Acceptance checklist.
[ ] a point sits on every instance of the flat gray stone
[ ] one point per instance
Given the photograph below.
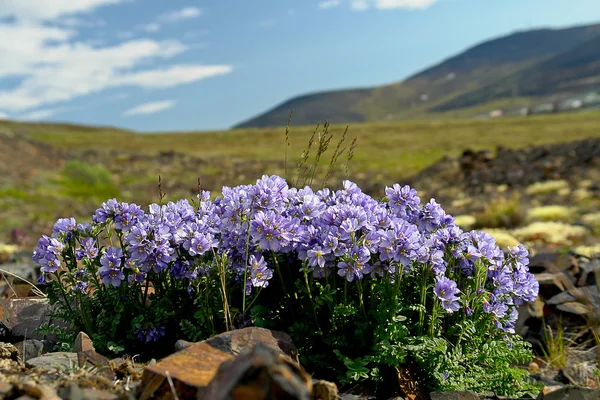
(30, 348)
(60, 361)
(458, 395)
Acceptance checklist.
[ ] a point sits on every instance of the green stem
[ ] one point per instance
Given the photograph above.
(423, 298)
(360, 299)
(312, 304)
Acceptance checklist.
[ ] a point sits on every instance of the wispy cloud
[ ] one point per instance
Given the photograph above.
(391, 4)
(324, 5)
(50, 69)
(38, 115)
(178, 15)
(153, 27)
(46, 10)
(150, 108)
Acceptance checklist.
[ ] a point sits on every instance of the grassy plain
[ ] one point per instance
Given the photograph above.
(93, 163)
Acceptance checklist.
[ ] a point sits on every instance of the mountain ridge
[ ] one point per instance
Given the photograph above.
(455, 84)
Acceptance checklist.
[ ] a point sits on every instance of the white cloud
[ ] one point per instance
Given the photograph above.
(39, 114)
(150, 108)
(49, 64)
(172, 76)
(49, 9)
(3, 115)
(73, 22)
(60, 72)
(324, 5)
(360, 5)
(178, 15)
(151, 27)
(391, 4)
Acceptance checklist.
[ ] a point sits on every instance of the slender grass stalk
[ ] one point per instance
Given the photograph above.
(336, 154)
(350, 154)
(287, 143)
(305, 154)
(312, 304)
(34, 288)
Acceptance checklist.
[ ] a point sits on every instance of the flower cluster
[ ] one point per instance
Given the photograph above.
(344, 234)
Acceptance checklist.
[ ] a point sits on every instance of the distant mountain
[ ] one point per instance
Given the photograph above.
(511, 70)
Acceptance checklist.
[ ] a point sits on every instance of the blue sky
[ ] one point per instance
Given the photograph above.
(156, 65)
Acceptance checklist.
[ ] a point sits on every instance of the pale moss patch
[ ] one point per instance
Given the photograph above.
(465, 222)
(503, 238)
(587, 251)
(593, 221)
(551, 213)
(582, 194)
(7, 250)
(550, 232)
(547, 187)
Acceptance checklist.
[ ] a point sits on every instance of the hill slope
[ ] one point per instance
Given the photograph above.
(494, 70)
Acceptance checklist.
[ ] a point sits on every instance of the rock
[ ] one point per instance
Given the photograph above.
(262, 373)
(24, 316)
(9, 352)
(324, 390)
(74, 392)
(561, 298)
(5, 389)
(182, 344)
(574, 307)
(83, 343)
(101, 364)
(533, 367)
(549, 262)
(190, 370)
(51, 362)
(30, 348)
(241, 341)
(552, 284)
(564, 377)
(570, 393)
(458, 395)
(32, 390)
(549, 389)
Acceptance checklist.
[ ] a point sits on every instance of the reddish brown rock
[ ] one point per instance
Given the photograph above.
(242, 341)
(101, 364)
(260, 374)
(190, 371)
(83, 343)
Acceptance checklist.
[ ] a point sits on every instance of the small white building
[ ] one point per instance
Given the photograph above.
(496, 113)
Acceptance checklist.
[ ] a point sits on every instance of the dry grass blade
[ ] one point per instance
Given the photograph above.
(305, 154)
(34, 288)
(350, 154)
(171, 385)
(287, 143)
(338, 152)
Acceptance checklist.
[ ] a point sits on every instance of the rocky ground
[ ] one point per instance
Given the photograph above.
(547, 197)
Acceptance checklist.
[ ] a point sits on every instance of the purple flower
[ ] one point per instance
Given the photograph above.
(111, 258)
(445, 289)
(88, 248)
(259, 272)
(64, 225)
(81, 287)
(150, 334)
